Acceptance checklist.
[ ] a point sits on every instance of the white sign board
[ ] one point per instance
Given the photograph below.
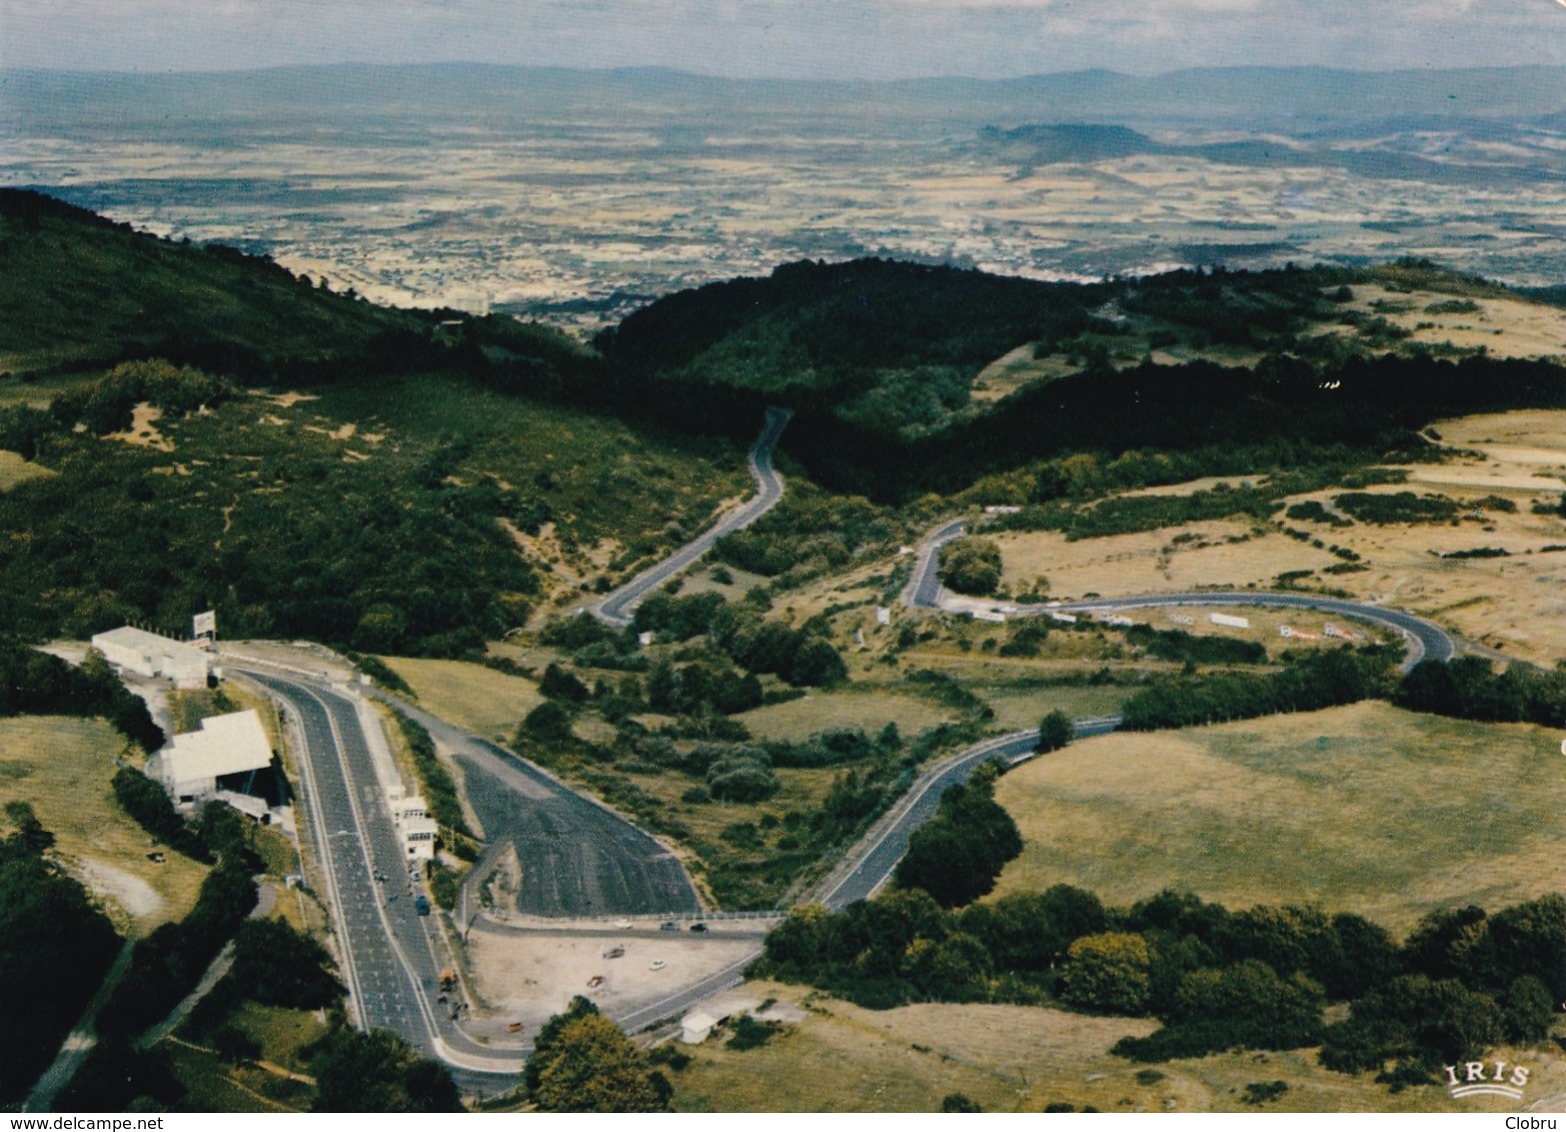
(204, 624)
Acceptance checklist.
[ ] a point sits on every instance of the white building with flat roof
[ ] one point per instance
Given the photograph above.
(415, 827)
(226, 751)
(148, 654)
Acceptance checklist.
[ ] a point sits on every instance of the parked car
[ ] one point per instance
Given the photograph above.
(421, 904)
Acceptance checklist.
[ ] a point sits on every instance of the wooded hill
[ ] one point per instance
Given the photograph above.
(490, 425)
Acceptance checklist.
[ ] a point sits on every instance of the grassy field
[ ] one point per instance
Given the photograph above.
(1507, 600)
(1363, 808)
(868, 708)
(1150, 561)
(477, 699)
(1017, 708)
(63, 767)
(837, 1057)
(15, 470)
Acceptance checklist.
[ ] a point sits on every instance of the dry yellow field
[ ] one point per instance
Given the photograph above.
(1150, 561)
(15, 470)
(1512, 602)
(1010, 372)
(478, 699)
(837, 1057)
(1505, 327)
(1363, 808)
(62, 766)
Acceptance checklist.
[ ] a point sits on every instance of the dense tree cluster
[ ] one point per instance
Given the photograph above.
(36, 683)
(1127, 514)
(957, 855)
(1309, 682)
(1470, 688)
(1258, 978)
(808, 533)
(107, 405)
(1182, 647)
(971, 566)
(55, 947)
(1397, 507)
(583, 1062)
(149, 806)
(1055, 731)
(378, 1072)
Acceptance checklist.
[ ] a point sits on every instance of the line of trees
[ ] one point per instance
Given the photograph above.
(958, 854)
(1259, 978)
(38, 683)
(1308, 681)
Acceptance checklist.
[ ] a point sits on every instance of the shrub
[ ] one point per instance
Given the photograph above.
(1108, 973)
(971, 565)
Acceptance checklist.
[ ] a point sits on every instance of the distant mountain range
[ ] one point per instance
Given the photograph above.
(1082, 143)
(1296, 101)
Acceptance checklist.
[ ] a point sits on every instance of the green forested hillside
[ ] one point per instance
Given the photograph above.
(73, 286)
(395, 499)
(880, 362)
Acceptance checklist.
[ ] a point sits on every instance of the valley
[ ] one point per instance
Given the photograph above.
(1037, 379)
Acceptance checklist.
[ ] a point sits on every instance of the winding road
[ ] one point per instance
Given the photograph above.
(618, 608)
(1425, 639)
(591, 860)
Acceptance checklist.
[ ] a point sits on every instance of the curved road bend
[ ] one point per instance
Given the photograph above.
(1426, 639)
(869, 865)
(618, 607)
(578, 858)
(388, 959)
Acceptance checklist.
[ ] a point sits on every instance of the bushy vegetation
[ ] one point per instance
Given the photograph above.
(55, 947)
(1398, 507)
(149, 806)
(437, 787)
(1055, 731)
(1470, 688)
(1127, 514)
(1182, 647)
(971, 566)
(583, 1062)
(957, 855)
(1217, 979)
(807, 534)
(378, 1072)
(1308, 682)
(167, 964)
(36, 683)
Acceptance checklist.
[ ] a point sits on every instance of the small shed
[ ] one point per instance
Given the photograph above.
(696, 1027)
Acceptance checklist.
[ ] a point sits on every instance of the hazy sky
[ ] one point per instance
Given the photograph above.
(803, 38)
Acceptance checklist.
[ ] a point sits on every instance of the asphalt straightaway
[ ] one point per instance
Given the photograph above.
(388, 958)
(618, 608)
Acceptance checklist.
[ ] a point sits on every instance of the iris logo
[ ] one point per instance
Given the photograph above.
(1474, 1079)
